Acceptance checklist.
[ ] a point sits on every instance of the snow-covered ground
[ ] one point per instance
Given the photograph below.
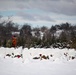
(60, 63)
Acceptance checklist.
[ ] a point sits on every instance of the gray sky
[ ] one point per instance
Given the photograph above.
(39, 12)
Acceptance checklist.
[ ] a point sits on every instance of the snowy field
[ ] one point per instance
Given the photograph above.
(60, 62)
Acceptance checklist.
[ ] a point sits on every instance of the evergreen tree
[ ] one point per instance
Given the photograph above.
(4, 43)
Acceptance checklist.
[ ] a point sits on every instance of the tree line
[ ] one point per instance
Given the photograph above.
(42, 37)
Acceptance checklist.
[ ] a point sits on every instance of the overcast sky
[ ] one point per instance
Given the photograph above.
(39, 12)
